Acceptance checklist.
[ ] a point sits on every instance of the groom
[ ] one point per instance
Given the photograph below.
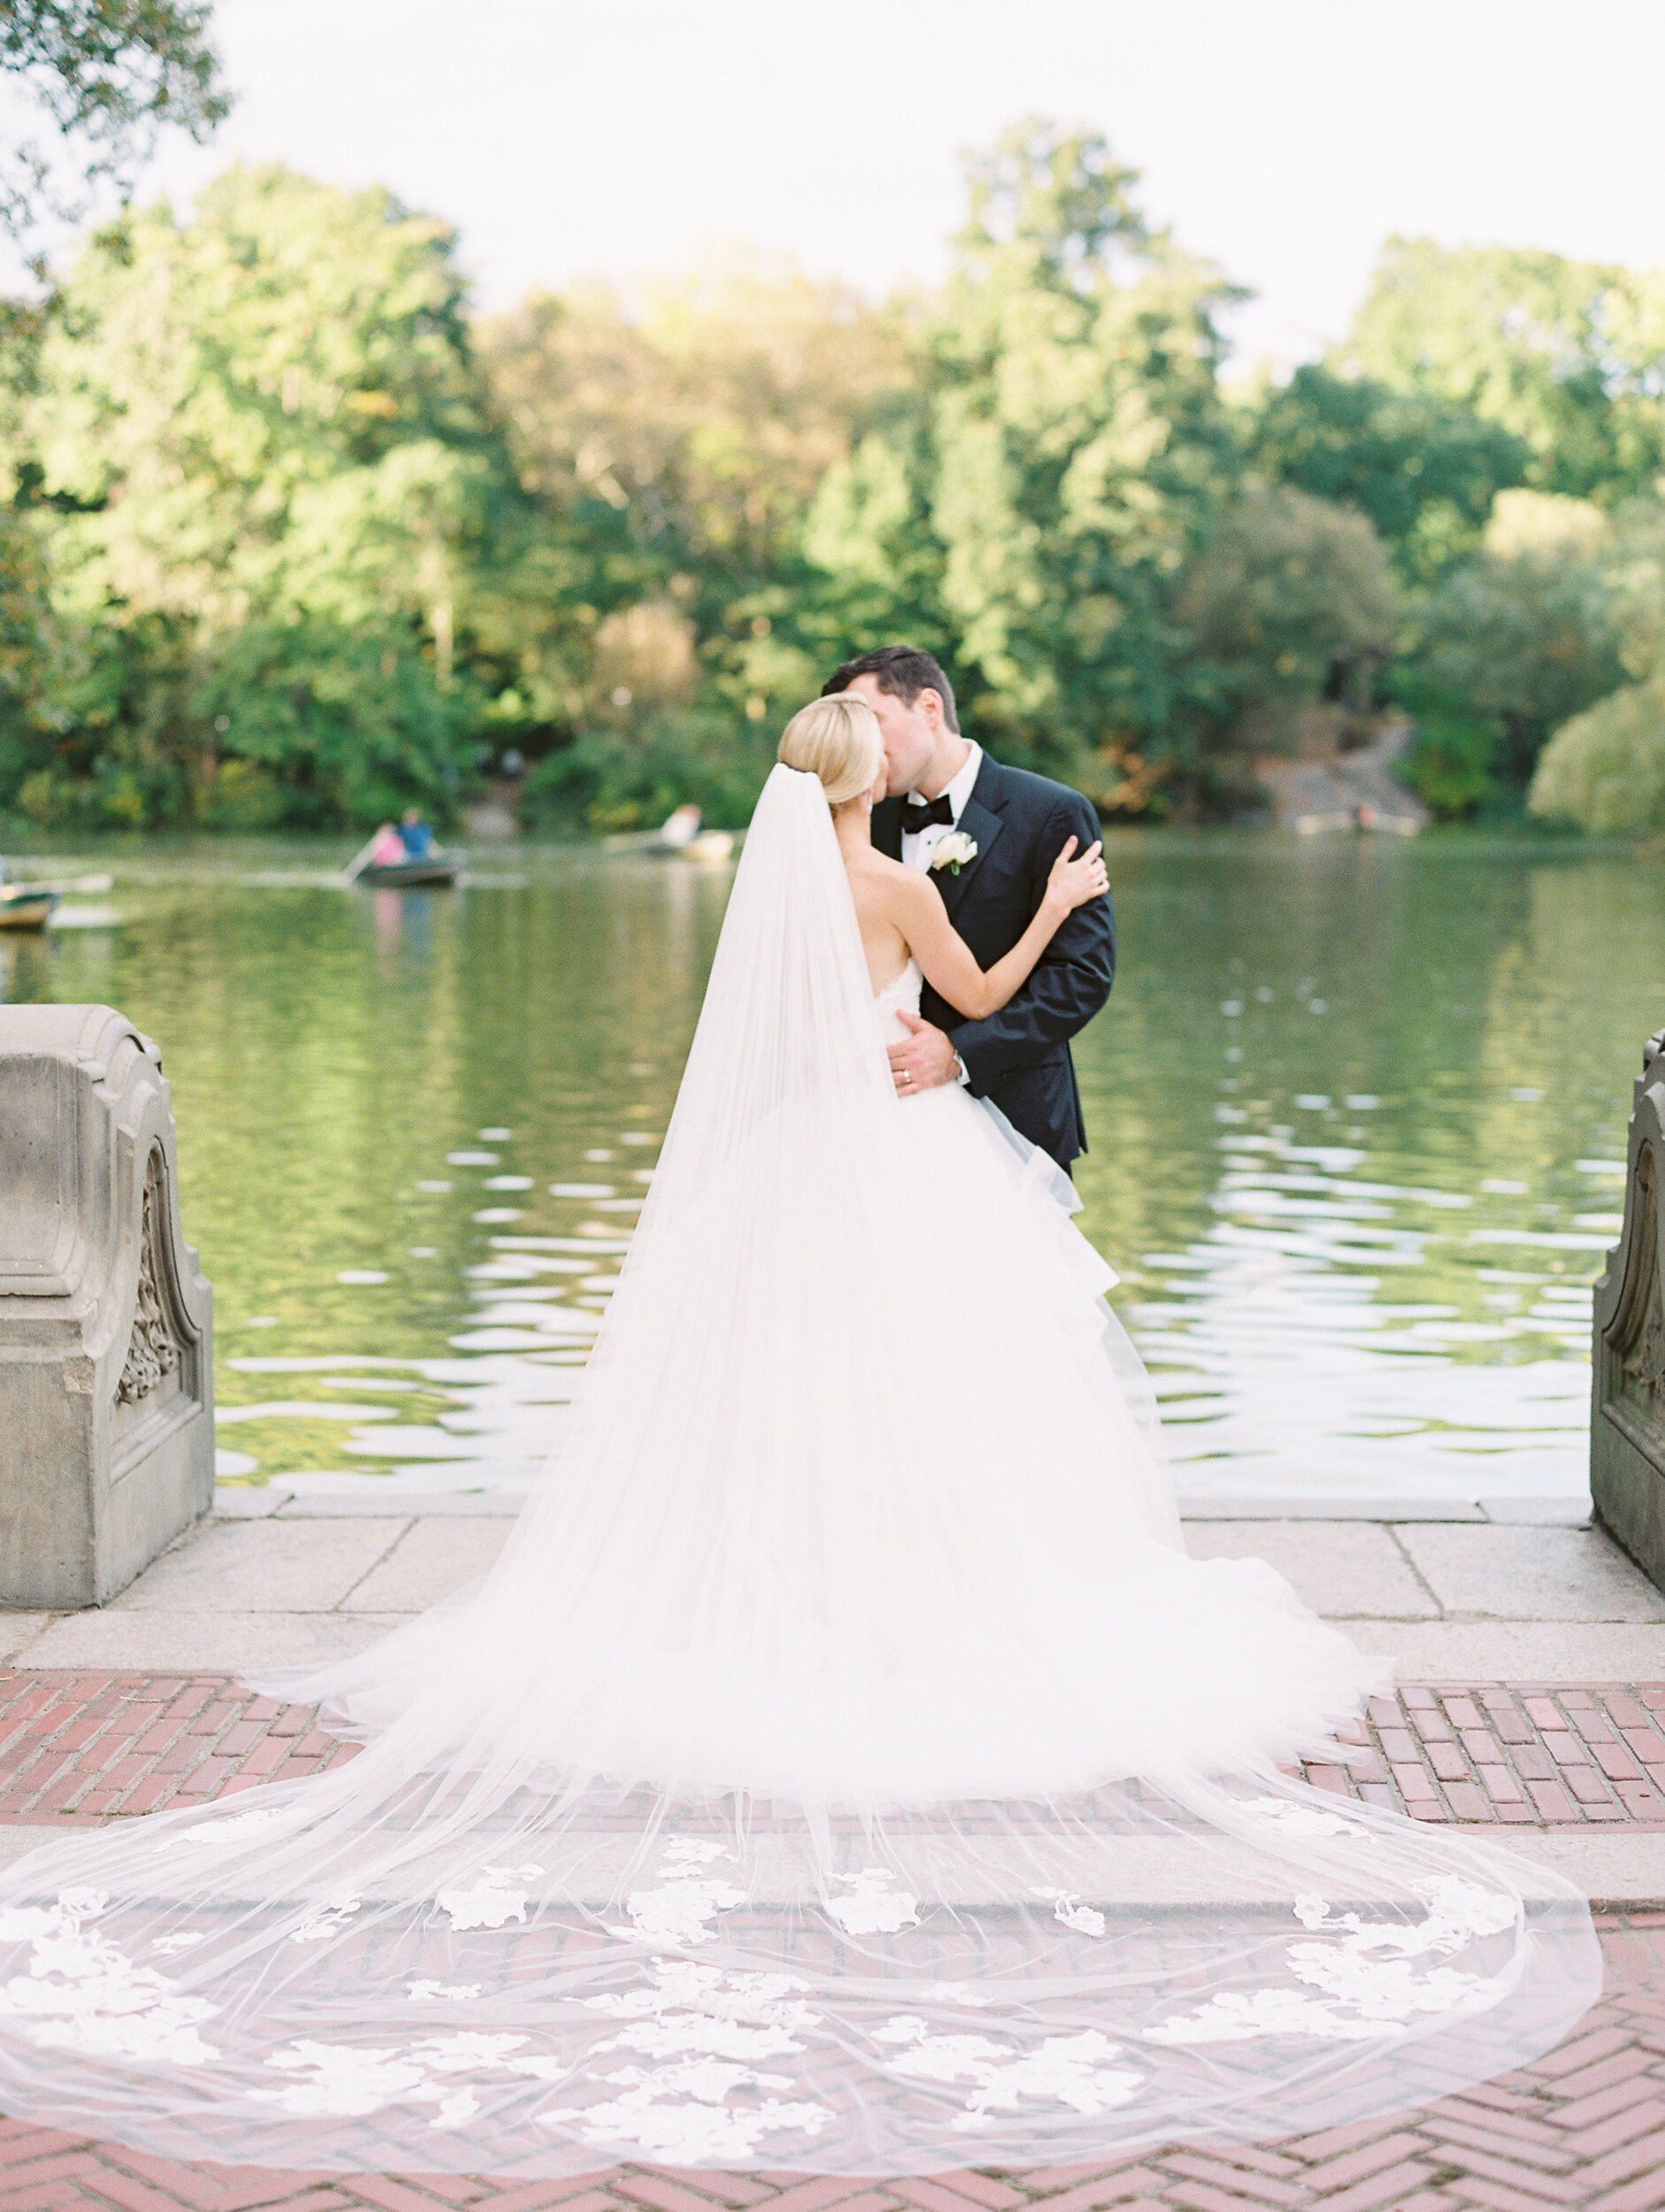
(944, 795)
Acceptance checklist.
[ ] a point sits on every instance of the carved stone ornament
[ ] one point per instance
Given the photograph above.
(1643, 1361)
(152, 1352)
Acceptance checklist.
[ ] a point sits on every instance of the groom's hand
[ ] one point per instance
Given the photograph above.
(926, 1059)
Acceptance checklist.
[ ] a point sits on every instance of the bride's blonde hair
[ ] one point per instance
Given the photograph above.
(838, 740)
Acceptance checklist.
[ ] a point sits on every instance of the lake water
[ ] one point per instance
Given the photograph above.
(1357, 1111)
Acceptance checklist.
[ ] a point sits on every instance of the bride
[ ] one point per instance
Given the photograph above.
(844, 1768)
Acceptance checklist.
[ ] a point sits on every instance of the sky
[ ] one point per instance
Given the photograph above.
(1283, 139)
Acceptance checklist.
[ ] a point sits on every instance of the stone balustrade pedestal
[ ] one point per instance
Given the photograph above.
(106, 1378)
(1627, 1410)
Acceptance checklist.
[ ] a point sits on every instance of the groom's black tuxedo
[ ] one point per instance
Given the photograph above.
(1020, 1057)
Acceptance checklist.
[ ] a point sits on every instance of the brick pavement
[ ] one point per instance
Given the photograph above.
(1539, 1754)
(1581, 2131)
(80, 1747)
(75, 1747)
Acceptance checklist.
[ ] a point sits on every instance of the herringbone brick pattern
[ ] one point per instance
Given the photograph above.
(81, 1747)
(77, 1746)
(1529, 1756)
(1583, 2131)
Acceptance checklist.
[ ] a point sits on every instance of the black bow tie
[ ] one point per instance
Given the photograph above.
(917, 813)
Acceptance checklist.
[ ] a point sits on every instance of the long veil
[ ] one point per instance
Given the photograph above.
(843, 1768)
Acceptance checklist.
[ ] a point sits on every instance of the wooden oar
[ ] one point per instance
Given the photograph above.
(359, 861)
(86, 886)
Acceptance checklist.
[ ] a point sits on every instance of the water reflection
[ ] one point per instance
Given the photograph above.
(1416, 1062)
(1357, 1113)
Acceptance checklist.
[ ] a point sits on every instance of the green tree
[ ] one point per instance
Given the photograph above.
(1034, 508)
(1423, 468)
(1633, 568)
(683, 437)
(876, 560)
(1567, 357)
(259, 450)
(1510, 645)
(1081, 446)
(1605, 770)
(106, 75)
(31, 652)
(1292, 596)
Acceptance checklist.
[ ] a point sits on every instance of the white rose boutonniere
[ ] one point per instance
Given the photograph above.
(953, 852)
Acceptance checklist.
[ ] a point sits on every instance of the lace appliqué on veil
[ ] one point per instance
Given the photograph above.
(686, 1900)
(1365, 1995)
(82, 1993)
(706, 2033)
(1068, 2069)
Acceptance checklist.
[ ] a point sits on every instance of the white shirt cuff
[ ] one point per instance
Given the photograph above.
(961, 1077)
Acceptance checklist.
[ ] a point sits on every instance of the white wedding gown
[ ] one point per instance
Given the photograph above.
(844, 1768)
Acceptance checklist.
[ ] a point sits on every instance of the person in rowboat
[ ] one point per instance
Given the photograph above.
(415, 835)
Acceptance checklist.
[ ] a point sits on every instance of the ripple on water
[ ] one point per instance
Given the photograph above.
(1357, 1119)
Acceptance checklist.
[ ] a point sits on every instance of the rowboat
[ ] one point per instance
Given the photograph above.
(409, 875)
(26, 905)
(678, 837)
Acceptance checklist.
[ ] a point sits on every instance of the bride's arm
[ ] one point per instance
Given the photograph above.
(947, 960)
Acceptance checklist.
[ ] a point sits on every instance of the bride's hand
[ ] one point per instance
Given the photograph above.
(1073, 882)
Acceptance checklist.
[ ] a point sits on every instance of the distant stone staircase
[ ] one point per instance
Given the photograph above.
(1346, 790)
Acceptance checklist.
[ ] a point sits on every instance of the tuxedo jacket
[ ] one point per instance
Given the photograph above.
(1020, 1057)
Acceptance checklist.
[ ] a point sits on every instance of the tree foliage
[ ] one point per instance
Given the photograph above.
(275, 513)
(287, 537)
(1292, 596)
(690, 436)
(1563, 356)
(1510, 645)
(1034, 509)
(106, 75)
(1605, 769)
(1423, 467)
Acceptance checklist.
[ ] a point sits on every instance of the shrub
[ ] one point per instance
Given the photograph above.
(1449, 763)
(631, 779)
(243, 797)
(1605, 769)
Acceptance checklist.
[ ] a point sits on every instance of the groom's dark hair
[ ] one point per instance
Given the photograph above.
(904, 671)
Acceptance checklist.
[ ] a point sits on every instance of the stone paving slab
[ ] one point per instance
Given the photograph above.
(1621, 1868)
(1583, 2131)
(430, 1560)
(1449, 1571)
(1541, 1574)
(1502, 1512)
(272, 1567)
(273, 1500)
(18, 1630)
(1345, 1570)
(222, 1643)
(1509, 1651)
(1447, 1600)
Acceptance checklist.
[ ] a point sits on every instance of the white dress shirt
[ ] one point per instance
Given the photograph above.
(917, 850)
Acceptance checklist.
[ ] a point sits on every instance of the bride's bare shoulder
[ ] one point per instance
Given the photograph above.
(884, 888)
